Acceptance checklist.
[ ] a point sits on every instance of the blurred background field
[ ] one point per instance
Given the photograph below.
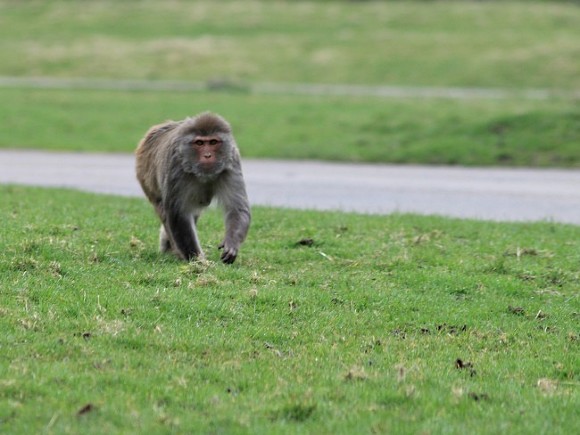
(230, 45)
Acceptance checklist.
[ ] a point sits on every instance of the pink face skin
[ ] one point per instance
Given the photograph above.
(206, 149)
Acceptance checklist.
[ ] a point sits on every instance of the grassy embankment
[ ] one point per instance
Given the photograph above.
(506, 45)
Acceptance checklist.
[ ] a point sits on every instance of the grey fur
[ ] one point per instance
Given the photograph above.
(180, 187)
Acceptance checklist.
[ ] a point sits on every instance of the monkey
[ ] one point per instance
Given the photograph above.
(181, 166)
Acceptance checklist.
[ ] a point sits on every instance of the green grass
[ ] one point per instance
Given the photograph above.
(359, 332)
(507, 44)
(522, 44)
(483, 132)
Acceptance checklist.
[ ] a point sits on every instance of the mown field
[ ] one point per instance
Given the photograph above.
(491, 132)
(523, 44)
(499, 45)
(327, 323)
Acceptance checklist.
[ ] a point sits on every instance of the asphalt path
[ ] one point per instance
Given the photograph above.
(479, 193)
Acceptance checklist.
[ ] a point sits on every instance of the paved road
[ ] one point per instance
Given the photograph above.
(493, 194)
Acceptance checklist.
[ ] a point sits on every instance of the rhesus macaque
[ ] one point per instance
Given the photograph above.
(181, 166)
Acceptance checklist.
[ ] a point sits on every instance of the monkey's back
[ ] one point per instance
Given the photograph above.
(152, 158)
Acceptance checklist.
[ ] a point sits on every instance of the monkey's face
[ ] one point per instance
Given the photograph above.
(206, 150)
(203, 155)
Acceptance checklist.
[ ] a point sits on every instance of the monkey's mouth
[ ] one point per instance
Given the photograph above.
(207, 164)
(210, 168)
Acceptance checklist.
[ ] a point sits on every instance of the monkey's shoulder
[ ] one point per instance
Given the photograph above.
(160, 130)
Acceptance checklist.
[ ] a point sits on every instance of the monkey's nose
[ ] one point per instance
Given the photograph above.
(207, 156)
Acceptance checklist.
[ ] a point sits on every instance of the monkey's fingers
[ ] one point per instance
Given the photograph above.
(229, 255)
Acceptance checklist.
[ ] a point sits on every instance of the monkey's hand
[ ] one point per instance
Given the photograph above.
(229, 253)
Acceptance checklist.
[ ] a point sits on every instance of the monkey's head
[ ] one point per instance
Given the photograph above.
(205, 144)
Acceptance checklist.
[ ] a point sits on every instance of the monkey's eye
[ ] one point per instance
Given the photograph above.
(214, 142)
(198, 142)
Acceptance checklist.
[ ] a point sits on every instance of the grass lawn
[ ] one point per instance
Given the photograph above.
(497, 44)
(327, 322)
(376, 324)
(508, 132)
(522, 44)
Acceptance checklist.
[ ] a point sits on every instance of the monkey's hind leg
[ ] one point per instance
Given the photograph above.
(164, 242)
